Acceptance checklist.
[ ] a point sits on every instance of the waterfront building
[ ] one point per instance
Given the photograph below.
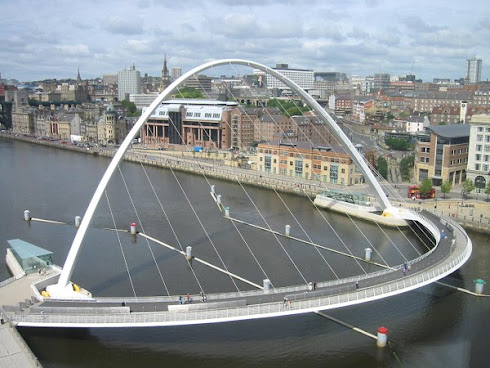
(479, 151)
(204, 123)
(473, 70)
(128, 81)
(242, 126)
(111, 128)
(23, 120)
(441, 154)
(328, 164)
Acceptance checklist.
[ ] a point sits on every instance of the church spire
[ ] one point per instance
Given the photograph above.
(79, 78)
(165, 80)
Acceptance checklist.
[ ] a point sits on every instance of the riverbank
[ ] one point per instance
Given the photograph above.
(471, 214)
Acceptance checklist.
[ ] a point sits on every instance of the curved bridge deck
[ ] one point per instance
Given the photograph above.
(442, 260)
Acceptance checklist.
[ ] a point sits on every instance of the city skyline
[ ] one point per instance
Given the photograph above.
(359, 38)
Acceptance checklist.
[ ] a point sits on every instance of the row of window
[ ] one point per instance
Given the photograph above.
(198, 115)
(458, 161)
(486, 147)
(481, 167)
(478, 157)
(458, 151)
(480, 137)
(481, 129)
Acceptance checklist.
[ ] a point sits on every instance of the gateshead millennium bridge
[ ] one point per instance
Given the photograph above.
(56, 301)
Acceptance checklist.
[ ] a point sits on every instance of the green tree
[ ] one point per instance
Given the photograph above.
(398, 144)
(468, 187)
(382, 166)
(288, 108)
(189, 92)
(446, 187)
(426, 186)
(487, 190)
(130, 108)
(405, 164)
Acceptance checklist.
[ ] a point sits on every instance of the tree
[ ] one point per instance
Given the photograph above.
(426, 186)
(446, 187)
(288, 108)
(468, 187)
(130, 108)
(382, 166)
(398, 144)
(189, 92)
(405, 164)
(487, 190)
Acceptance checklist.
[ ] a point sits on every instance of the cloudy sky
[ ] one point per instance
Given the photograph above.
(50, 39)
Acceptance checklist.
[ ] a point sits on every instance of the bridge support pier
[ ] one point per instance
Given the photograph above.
(267, 285)
(133, 228)
(382, 337)
(367, 256)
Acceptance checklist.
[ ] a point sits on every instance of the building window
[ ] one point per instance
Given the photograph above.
(478, 147)
(479, 137)
(480, 129)
(477, 157)
(426, 149)
(298, 168)
(477, 167)
(334, 174)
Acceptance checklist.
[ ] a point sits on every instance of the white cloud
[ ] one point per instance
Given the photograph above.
(356, 37)
(73, 50)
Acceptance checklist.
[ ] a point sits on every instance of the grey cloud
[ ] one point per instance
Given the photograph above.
(124, 26)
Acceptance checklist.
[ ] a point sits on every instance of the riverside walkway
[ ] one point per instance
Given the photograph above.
(440, 261)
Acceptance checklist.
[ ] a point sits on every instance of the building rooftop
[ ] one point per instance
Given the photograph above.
(27, 250)
(450, 131)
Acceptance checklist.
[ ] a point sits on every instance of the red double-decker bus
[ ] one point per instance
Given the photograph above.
(414, 193)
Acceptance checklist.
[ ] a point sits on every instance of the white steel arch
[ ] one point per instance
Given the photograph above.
(63, 287)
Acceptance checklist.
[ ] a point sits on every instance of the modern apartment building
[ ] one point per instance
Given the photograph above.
(128, 82)
(328, 164)
(479, 151)
(442, 154)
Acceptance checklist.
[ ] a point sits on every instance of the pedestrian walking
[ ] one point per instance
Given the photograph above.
(285, 301)
(357, 285)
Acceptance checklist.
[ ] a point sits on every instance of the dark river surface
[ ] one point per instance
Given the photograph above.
(431, 327)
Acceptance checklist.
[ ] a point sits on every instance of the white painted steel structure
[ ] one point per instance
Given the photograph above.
(63, 288)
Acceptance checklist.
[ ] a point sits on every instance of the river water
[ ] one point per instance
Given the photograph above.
(430, 327)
